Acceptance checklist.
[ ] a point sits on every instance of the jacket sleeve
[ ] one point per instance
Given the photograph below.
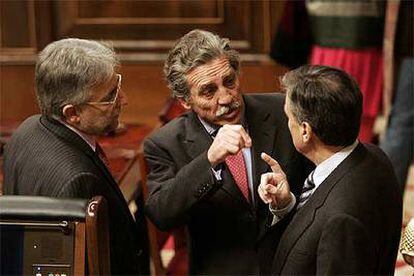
(174, 192)
(83, 185)
(345, 247)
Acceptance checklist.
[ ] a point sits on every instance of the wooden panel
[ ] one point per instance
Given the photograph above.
(17, 96)
(153, 26)
(141, 31)
(144, 85)
(138, 11)
(17, 36)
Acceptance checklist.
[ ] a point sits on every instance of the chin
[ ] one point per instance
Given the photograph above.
(231, 121)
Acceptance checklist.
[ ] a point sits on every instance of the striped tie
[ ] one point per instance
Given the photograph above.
(307, 190)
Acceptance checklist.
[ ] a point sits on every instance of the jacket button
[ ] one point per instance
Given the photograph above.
(139, 253)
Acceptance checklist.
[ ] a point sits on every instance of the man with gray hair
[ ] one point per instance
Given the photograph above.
(56, 154)
(205, 165)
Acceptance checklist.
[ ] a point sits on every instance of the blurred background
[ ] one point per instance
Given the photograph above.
(263, 31)
(142, 32)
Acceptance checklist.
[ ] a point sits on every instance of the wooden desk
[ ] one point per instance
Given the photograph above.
(121, 150)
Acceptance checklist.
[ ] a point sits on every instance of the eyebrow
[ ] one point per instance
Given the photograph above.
(204, 87)
(230, 76)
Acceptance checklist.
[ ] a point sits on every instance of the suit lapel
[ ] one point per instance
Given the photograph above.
(263, 134)
(199, 141)
(305, 215)
(71, 137)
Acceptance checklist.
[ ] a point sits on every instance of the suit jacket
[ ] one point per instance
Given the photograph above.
(223, 227)
(350, 225)
(46, 158)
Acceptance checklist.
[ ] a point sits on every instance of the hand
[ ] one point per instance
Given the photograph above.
(274, 187)
(229, 140)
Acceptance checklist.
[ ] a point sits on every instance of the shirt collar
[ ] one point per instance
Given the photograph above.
(324, 169)
(89, 139)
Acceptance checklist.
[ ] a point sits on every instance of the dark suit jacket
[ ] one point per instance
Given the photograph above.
(223, 227)
(46, 158)
(350, 225)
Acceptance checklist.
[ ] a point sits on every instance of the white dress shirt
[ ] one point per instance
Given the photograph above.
(321, 172)
(324, 169)
(90, 140)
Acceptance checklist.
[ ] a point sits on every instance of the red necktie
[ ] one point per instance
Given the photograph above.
(102, 155)
(237, 167)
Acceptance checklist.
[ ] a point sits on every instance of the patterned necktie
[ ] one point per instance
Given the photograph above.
(237, 168)
(307, 190)
(101, 154)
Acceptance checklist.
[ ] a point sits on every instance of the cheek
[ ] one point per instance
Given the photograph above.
(204, 104)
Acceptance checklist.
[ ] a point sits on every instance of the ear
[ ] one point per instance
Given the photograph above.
(71, 114)
(184, 103)
(306, 132)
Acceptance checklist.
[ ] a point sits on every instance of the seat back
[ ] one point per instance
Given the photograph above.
(171, 109)
(43, 235)
(153, 232)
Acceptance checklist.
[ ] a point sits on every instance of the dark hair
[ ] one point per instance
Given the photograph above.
(196, 48)
(328, 99)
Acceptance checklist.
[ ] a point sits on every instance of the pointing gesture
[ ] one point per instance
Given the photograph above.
(274, 188)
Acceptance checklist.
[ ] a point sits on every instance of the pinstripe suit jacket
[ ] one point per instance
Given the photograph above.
(46, 158)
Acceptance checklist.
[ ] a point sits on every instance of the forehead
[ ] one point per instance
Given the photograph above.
(106, 87)
(203, 74)
(287, 104)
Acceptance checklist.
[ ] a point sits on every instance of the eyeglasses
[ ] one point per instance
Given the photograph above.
(114, 94)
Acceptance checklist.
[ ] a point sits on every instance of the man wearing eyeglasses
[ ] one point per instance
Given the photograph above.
(56, 153)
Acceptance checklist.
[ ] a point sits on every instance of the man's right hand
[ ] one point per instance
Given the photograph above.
(229, 140)
(274, 187)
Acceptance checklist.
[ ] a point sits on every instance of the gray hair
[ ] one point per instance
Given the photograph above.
(67, 69)
(196, 48)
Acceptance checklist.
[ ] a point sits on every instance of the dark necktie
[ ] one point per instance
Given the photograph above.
(307, 190)
(101, 154)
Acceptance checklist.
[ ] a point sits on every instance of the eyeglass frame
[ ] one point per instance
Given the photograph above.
(118, 88)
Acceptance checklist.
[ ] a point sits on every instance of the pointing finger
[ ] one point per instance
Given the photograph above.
(274, 165)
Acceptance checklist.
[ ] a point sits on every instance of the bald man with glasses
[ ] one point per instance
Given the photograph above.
(56, 153)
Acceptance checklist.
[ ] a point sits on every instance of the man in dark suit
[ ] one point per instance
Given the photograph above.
(205, 165)
(348, 217)
(55, 154)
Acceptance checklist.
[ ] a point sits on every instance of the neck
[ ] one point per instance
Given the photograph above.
(320, 152)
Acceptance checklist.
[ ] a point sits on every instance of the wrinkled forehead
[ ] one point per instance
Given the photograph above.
(215, 69)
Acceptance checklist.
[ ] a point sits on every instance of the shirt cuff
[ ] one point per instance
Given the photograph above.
(279, 214)
(217, 174)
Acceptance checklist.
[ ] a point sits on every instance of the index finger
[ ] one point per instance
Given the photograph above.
(246, 138)
(247, 141)
(274, 165)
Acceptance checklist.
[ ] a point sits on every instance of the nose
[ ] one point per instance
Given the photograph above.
(224, 96)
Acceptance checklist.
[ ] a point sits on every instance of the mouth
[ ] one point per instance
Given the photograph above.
(228, 111)
(227, 114)
(231, 114)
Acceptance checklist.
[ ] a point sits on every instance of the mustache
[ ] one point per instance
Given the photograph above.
(224, 109)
